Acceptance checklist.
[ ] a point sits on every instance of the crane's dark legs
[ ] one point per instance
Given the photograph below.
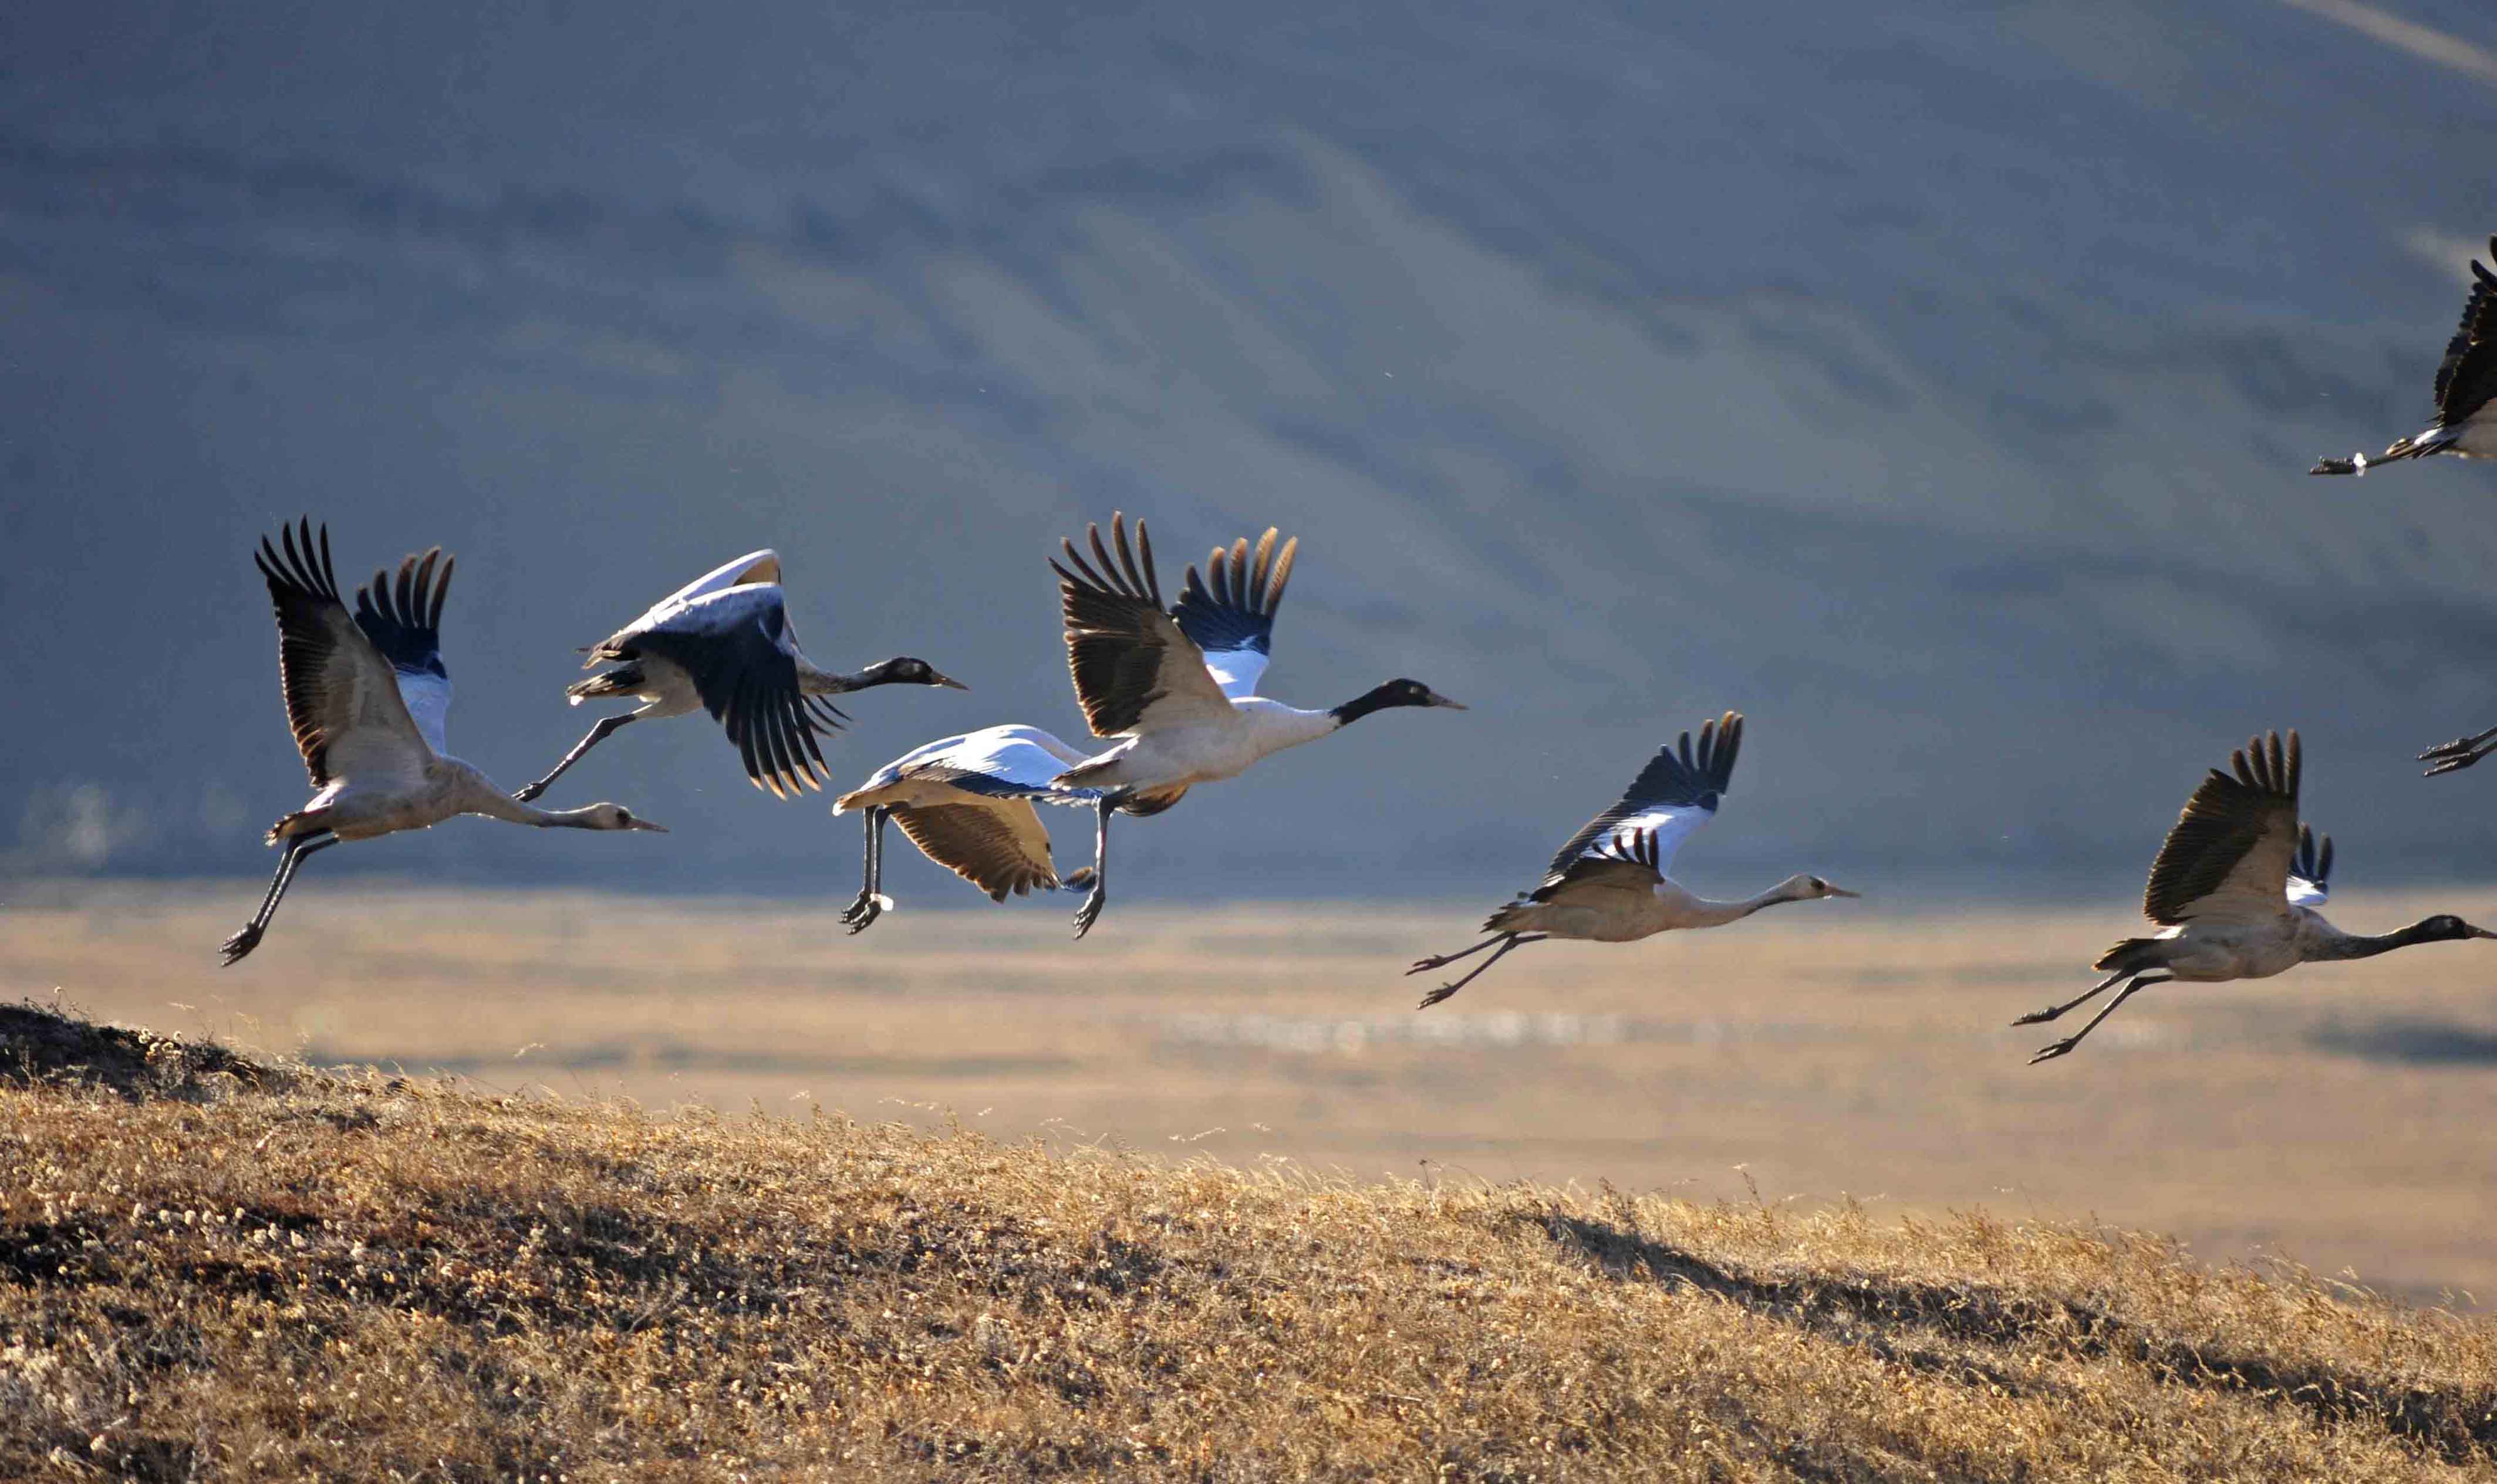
(297, 850)
(1442, 961)
(869, 906)
(2064, 1046)
(605, 729)
(1091, 912)
(2040, 1017)
(1515, 941)
(2459, 753)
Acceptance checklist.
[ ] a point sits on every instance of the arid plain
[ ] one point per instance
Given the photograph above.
(2342, 1117)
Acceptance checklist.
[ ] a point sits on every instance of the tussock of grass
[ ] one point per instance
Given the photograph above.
(285, 1274)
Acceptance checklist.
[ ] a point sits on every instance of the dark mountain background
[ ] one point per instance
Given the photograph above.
(1934, 383)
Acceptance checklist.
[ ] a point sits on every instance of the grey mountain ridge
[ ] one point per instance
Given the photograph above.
(1935, 387)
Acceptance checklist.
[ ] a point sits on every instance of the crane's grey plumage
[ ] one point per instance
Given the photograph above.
(2466, 384)
(723, 644)
(1608, 884)
(1174, 688)
(2235, 886)
(366, 695)
(966, 803)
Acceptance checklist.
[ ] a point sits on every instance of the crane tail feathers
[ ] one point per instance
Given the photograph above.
(2129, 956)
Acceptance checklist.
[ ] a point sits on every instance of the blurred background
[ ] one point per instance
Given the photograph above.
(1935, 384)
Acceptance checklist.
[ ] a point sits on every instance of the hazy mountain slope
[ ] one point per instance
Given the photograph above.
(1935, 388)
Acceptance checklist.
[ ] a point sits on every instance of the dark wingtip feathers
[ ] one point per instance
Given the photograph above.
(296, 568)
(1129, 576)
(2313, 856)
(2267, 765)
(1713, 760)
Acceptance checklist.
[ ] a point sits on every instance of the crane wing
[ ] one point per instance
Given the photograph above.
(997, 844)
(762, 566)
(2467, 378)
(405, 624)
(2228, 858)
(734, 645)
(342, 697)
(753, 569)
(1006, 762)
(1230, 612)
(1133, 665)
(1625, 865)
(2310, 874)
(1674, 794)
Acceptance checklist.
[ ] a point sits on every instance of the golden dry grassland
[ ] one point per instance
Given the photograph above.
(2345, 1115)
(212, 1268)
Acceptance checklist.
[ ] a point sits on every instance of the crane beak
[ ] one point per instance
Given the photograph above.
(1438, 699)
(1839, 891)
(2480, 933)
(949, 683)
(643, 824)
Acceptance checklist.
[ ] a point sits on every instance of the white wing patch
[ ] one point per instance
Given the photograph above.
(427, 698)
(1010, 760)
(1004, 762)
(762, 566)
(1673, 823)
(1235, 671)
(719, 613)
(2303, 893)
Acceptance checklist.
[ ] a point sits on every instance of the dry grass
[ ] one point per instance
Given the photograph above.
(210, 1268)
(2345, 1115)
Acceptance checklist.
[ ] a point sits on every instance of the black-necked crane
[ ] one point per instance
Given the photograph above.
(1175, 688)
(723, 644)
(366, 694)
(2466, 383)
(966, 803)
(1609, 883)
(2235, 886)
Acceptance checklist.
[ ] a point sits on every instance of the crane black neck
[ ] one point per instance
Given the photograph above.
(1377, 698)
(2430, 930)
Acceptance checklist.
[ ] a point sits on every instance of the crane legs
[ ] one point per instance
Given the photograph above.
(872, 901)
(2064, 1046)
(605, 729)
(1506, 942)
(297, 850)
(1091, 912)
(2040, 1017)
(2459, 753)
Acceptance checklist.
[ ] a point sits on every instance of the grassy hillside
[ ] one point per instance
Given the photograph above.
(216, 1268)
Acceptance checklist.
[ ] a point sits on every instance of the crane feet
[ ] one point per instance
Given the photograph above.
(2062, 1048)
(862, 913)
(1437, 995)
(2357, 465)
(1091, 912)
(2042, 1017)
(241, 943)
(2456, 755)
(1435, 961)
(527, 792)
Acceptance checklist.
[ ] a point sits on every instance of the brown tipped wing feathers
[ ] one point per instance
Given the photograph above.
(998, 848)
(342, 698)
(2230, 854)
(2467, 378)
(1128, 655)
(1679, 787)
(1233, 605)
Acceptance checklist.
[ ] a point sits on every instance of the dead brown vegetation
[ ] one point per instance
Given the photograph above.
(246, 1272)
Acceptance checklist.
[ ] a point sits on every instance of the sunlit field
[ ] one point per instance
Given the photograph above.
(2345, 1117)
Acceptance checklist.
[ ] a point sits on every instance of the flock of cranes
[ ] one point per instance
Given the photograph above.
(1170, 692)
